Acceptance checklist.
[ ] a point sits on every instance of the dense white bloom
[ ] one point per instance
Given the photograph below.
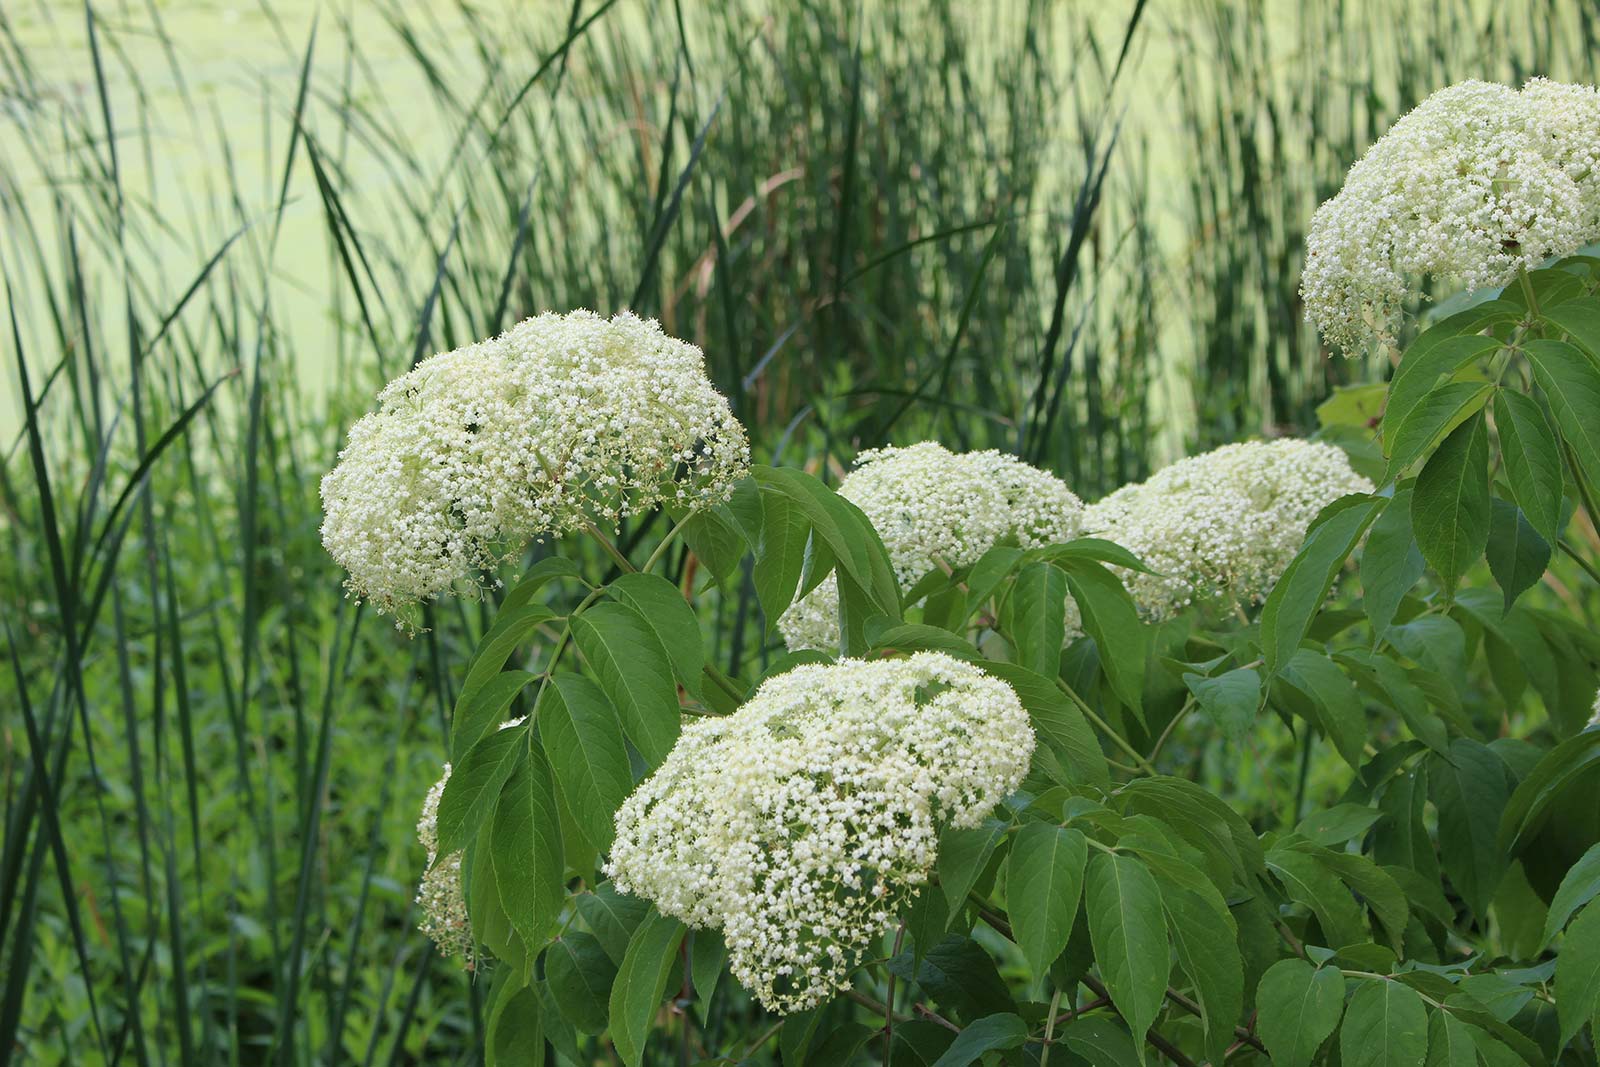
(799, 824)
(475, 452)
(1477, 181)
(1224, 524)
(932, 506)
(1594, 720)
(440, 896)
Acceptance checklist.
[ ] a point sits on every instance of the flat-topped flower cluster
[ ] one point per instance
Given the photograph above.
(1476, 182)
(935, 507)
(801, 823)
(1222, 525)
(560, 421)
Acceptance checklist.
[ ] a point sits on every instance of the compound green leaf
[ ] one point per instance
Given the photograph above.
(1298, 1006)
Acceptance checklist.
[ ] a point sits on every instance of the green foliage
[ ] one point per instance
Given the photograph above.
(1365, 808)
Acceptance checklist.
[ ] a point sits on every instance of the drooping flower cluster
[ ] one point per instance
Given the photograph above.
(799, 824)
(562, 420)
(1479, 180)
(440, 896)
(932, 506)
(1223, 524)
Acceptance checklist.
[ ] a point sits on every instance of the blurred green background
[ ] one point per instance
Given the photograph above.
(1072, 231)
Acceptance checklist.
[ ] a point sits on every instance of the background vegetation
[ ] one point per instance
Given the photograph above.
(1070, 234)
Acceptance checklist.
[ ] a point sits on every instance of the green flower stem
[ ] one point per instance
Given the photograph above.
(1050, 1027)
(1588, 568)
(1188, 705)
(1105, 728)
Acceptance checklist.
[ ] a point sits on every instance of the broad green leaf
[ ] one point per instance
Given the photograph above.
(525, 844)
(1581, 319)
(1469, 790)
(843, 528)
(1304, 587)
(1203, 820)
(963, 855)
(475, 781)
(580, 975)
(510, 629)
(1534, 795)
(1044, 878)
(915, 636)
(1372, 884)
(537, 577)
(1298, 1006)
(1578, 973)
(1129, 934)
(1450, 505)
(631, 666)
(1386, 1025)
(841, 1044)
(1100, 1041)
(515, 1031)
(1532, 458)
(986, 575)
(1229, 700)
(666, 612)
(1037, 611)
(1450, 1042)
(1517, 555)
(992, 1032)
(708, 954)
(1570, 379)
(1058, 721)
(486, 709)
(641, 982)
(780, 555)
(1091, 548)
(611, 917)
(1419, 373)
(1333, 698)
(1338, 824)
(1581, 885)
(1307, 881)
(579, 730)
(959, 974)
(1434, 419)
(1110, 617)
(1391, 562)
(716, 541)
(1206, 938)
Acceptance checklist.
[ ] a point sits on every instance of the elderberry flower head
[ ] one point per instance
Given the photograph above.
(932, 506)
(801, 823)
(560, 421)
(1222, 525)
(1477, 181)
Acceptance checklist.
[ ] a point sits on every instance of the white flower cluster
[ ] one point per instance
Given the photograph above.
(440, 896)
(1479, 180)
(932, 506)
(560, 420)
(1223, 524)
(1594, 719)
(799, 824)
